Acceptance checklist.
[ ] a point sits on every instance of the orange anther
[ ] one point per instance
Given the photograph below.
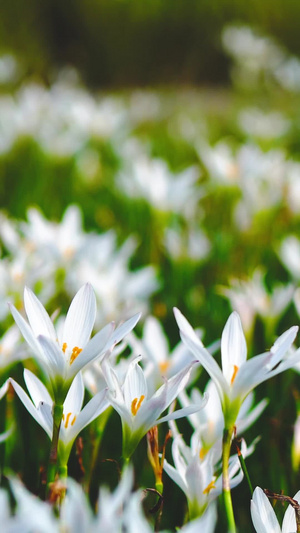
(136, 404)
(235, 371)
(209, 487)
(75, 352)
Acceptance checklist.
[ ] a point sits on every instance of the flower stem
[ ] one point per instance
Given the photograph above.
(244, 467)
(227, 435)
(52, 467)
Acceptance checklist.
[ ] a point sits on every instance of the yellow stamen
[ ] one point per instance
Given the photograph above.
(136, 404)
(209, 487)
(75, 352)
(64, 347)
(73, 421)
(164, 366)
(67, 420)
(235, 371)
(202, 453)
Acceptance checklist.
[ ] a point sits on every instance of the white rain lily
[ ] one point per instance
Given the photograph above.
(238, 376)
(196, 474)
(138, 411)
(264, 518)
(31, 513)
(250, 298)
(64, 358)
(74, 417)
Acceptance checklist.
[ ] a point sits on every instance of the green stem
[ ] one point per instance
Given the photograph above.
(63, 471)
(52, 467)
(227, 435)
(244, 468)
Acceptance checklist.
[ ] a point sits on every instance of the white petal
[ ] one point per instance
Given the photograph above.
(80, 318)
(54, 356)
(36, 389)
(263, 515)
(155, 339)
(92, 410)
(135, 384)
(122, 330)
(28, 404)
(191, 340)
(45, 412)
(74, 399)
(26, 331)
(282, 345)
(176, 384)
(4, 436)
(175, 476)
(249, 418)
(94, 349)
(195, 482)
(180, 413)
(38, 317)
(252, 373)
(4, 388)
(233, 346)
(289, 521)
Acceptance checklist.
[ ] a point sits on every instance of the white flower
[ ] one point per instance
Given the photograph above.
(196, 475)
(74, 417)
(264, 518)
(251, 297)
(138, 412)
(63, 358)
(31, 513)
(238, 376)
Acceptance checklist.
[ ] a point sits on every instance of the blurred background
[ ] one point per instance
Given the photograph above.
(172, 129)
(124, 43)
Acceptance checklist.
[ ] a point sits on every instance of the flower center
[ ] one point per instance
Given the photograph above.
(66, 419)
(75, 352)
(235, 371)
(202, 453)
(164, 366)
(136, 404)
